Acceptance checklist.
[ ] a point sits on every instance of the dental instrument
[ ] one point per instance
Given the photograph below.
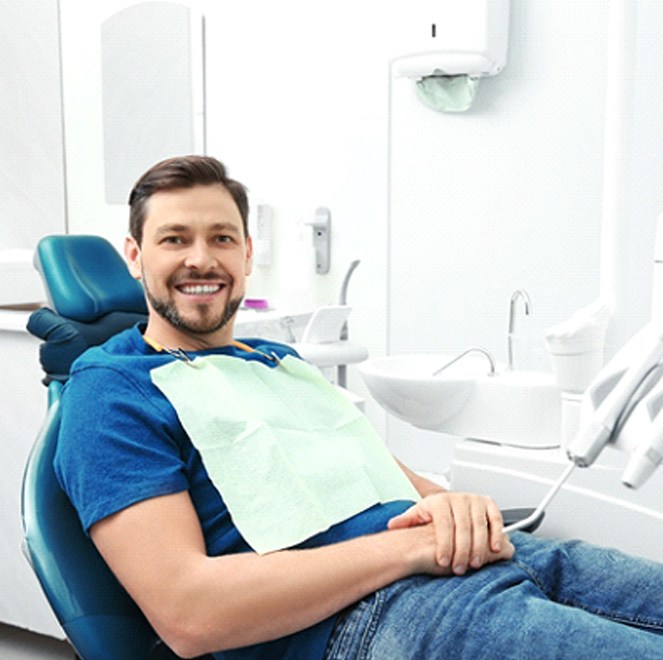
(615, 392)
(648, 452)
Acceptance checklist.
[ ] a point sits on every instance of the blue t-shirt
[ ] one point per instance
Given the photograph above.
(121, 442)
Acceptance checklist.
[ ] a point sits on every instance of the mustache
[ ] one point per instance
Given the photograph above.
(190, 276)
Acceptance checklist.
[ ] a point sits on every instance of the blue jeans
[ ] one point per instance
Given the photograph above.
(553, 600)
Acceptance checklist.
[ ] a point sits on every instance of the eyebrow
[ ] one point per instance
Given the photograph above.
(167, 229)
(179, 227)
(226, 226)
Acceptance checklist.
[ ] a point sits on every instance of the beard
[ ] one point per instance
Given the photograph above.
(206, 324)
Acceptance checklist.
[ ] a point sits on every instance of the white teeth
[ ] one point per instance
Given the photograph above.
(200, 289)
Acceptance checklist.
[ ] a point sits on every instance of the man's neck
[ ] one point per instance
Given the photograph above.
(166, 335)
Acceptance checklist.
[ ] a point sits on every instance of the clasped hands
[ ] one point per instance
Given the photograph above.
(459, 531)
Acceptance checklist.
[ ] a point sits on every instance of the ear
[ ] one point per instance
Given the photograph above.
(248, 264)
(132, 256)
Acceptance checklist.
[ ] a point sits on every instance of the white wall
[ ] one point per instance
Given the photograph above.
(510, 195)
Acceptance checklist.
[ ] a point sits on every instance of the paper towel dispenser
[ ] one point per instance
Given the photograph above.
(455, 43)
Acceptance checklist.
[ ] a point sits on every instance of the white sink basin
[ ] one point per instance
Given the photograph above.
(518, 408)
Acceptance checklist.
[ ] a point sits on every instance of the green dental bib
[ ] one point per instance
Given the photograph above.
(289, 453)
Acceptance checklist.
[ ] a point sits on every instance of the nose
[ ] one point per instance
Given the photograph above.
(200, 257)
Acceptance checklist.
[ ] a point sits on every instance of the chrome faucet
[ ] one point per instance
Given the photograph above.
(518, 293)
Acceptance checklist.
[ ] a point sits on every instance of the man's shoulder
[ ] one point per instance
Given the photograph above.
(114, 373)
(123, 353)
(123, 344)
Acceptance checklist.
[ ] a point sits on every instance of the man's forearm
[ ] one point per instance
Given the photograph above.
(242, 599)
(199, 604)
(423, 486)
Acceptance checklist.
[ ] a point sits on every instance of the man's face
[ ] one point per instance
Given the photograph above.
(193, 261)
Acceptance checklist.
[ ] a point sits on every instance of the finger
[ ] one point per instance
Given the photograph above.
(495, 526)
(415, 515)
(480, 533)
(462, 535)
(444, 524)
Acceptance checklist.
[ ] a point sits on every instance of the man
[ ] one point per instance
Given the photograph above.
(400, 578)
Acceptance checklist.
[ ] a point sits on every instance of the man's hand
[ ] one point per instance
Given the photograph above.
(468, 529)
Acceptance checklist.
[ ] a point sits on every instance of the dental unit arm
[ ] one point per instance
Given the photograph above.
(622, 407)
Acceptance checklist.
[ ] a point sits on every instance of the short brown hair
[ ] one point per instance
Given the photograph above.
(182, 172)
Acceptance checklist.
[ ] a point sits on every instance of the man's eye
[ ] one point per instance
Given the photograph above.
(173, 240)
(224, 239)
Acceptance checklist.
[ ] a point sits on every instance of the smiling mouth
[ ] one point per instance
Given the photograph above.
(199, 289)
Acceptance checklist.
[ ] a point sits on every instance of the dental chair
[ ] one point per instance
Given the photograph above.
(92, 297)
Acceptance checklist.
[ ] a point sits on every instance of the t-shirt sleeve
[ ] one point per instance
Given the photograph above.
(116, 446)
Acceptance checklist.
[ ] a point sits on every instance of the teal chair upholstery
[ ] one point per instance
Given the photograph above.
(98, 617)
(93, 297)
(85, 278)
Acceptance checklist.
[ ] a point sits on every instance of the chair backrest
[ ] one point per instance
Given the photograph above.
(97, 615)
(87, 282)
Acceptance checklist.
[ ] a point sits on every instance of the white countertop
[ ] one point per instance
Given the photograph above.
(14, 320)
(19, 281)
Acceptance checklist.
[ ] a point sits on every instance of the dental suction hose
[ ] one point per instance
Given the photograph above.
(540, 510)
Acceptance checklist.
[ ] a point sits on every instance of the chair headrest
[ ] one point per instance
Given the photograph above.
(65, 339)
(85, 278)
